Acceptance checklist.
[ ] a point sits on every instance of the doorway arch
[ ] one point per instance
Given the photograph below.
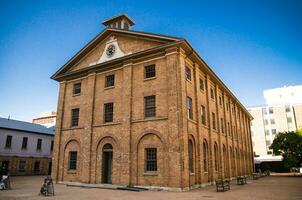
(107, 157)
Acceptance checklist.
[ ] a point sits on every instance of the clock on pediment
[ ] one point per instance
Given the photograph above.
(111, 51)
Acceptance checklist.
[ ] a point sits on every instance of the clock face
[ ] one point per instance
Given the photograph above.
(110, 50)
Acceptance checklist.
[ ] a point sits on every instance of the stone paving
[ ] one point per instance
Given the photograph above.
(275, 188)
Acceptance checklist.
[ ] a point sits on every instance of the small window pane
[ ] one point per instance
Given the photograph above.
(22, 164)
(203, 115)
(272, 121)
(271, 110)
(8, 142)
(213, 120)
(24, 143)
(109, 81)
(108, 112)
(150, 106)
(75, 117)
(201, 84)
(77, 89)
(39, 144)
(37, 166)
(51, 145)
(287, 109)
(188, 73)
(189, 108)
(289, 120)
(150, 71)
(150, 159)
(73, 160)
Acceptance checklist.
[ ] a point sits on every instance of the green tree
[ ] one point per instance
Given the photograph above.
(289, 145)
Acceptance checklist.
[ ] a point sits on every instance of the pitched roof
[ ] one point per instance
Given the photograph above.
(103, 35)
(25, 126)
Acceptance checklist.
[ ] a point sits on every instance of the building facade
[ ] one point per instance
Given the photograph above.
(144, 109)
(25, 148)
(48, 119)
(282, 112)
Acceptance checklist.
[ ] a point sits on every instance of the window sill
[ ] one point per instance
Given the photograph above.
(73, 128)
(75, 95)
(150, 174)
(151, 78)
(108, 88)
(191, 120)
(149, 119)
(109, 124)
(71, 171)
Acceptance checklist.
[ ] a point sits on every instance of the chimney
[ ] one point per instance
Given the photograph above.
(121, 21)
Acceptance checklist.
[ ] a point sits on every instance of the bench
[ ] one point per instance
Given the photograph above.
(256, 176)
(223, 185)
(241, 180)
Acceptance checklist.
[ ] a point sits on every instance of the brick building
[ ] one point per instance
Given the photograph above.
(138, 108)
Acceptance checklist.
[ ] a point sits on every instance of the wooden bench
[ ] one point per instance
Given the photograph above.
(223, 185)
(241, 180)
(256, 176)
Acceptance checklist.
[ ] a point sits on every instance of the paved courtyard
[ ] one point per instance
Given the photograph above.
(287, 188)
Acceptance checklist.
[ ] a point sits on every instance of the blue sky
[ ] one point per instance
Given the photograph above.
(251, 45)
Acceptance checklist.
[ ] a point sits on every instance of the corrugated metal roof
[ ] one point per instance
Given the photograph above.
(25, 126)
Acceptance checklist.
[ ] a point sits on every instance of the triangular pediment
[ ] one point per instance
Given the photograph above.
(112, 44)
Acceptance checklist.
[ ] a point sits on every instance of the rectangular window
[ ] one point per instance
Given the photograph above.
(39, 144)
(150, 71)
(75, 115)
(188, 73)
(274, 131)
(109, 81)
(77, 89)
(73, 160)
(150, 159)
(203, 115)
(8, 143)
(189, 108)
(37, 166)
(268, 143)
(51, 145)
(220, 101)
(264, 111)
(24, 142)
(272, 121)
(150, 106)
(222, 125)
(227, 106)
(108, 112)
(22, 164)
(213, 120)
(271, 110)
(287, 108)
(265, 122)
(289, 120)
(266, 132)
(212, 93)
(201, 84)
(228, 129)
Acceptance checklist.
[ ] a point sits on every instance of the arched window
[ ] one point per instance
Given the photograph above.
(205, 156)
(191, 157)
(216, 156)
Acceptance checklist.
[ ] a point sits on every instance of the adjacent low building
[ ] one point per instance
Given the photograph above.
(25, 148)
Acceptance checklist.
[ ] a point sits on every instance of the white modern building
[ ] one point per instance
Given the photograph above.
(282, 112)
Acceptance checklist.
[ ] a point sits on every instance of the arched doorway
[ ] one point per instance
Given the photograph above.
(107, 163)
